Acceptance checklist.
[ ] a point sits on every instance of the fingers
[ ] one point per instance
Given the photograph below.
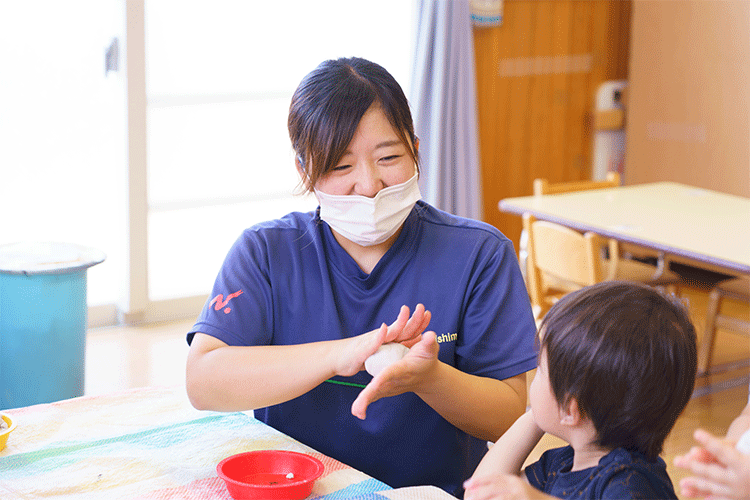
(405, 325)
(425, 321)
(401, 320)
(477, 488)
(698, 487)
(369, 394)
(387, 383)
(382, 335)
(713, 472)
(406, 328)
(375, 343)
(359, 406)
(696, 453)
(682, 461)
(427, 346)
(723, 452)
(688, 489)
(419, 320)
(414, 321)
(497, 487)
(709, 480)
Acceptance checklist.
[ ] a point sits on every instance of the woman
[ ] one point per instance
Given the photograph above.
(301, 302)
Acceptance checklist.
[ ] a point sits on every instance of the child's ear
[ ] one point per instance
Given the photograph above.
(570, 414)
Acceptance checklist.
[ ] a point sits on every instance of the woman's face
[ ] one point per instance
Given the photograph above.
(375, 159)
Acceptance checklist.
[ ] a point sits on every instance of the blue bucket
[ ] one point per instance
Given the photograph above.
(43, 315)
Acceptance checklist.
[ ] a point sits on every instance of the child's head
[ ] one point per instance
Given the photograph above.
(627, 354)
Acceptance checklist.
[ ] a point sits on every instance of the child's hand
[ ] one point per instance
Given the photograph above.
(720, 471)
(501, 487)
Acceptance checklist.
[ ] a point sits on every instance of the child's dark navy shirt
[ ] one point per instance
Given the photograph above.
(620, 475)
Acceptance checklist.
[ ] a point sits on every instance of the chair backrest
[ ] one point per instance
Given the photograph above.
(559, 258)
(543, 186)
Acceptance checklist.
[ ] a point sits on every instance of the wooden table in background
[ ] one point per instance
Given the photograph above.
(700, 226)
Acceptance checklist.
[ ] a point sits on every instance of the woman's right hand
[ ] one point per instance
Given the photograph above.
(405, 330)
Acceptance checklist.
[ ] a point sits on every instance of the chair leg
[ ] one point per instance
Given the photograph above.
(706, 347)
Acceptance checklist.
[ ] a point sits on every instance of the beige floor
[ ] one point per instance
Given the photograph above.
(124, 357)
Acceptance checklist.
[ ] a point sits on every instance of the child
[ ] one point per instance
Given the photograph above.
(617, 364)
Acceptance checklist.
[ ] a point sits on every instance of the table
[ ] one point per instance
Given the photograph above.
(150, 443)
(699, 225)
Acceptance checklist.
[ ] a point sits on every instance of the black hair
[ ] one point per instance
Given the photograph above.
(627, 354)
(328, 105)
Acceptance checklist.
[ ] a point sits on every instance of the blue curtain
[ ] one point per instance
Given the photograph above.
(443, 100)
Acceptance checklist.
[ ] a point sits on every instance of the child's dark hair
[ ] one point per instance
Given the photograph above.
(627, 354)
(328, 105)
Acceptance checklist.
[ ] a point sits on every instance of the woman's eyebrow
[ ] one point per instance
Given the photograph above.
(379, 145)
(386, 144)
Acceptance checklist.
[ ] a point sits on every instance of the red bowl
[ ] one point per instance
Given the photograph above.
(262, 475)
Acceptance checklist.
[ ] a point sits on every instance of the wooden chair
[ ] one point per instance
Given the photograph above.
(561, 260)
(543, 186)
(738, 289)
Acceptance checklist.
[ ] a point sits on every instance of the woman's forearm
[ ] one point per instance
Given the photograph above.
(480, 406)
(230, 378)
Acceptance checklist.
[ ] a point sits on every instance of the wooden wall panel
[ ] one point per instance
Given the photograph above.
(542, 93)
(517, 109)
(537, 76)
(688, 118)
(553, 167)
(623, 11)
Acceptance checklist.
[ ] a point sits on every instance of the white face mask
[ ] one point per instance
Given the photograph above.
(369, 221)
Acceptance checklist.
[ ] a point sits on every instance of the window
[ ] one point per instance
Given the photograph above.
(219, 81)
(219, 76)
(62, 133)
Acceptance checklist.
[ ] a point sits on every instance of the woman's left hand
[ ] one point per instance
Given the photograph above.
(406, 375)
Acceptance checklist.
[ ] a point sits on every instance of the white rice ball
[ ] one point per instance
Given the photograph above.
(386, 355)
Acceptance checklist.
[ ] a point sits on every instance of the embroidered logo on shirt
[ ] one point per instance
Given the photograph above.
(447, 337)
(220, 302)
